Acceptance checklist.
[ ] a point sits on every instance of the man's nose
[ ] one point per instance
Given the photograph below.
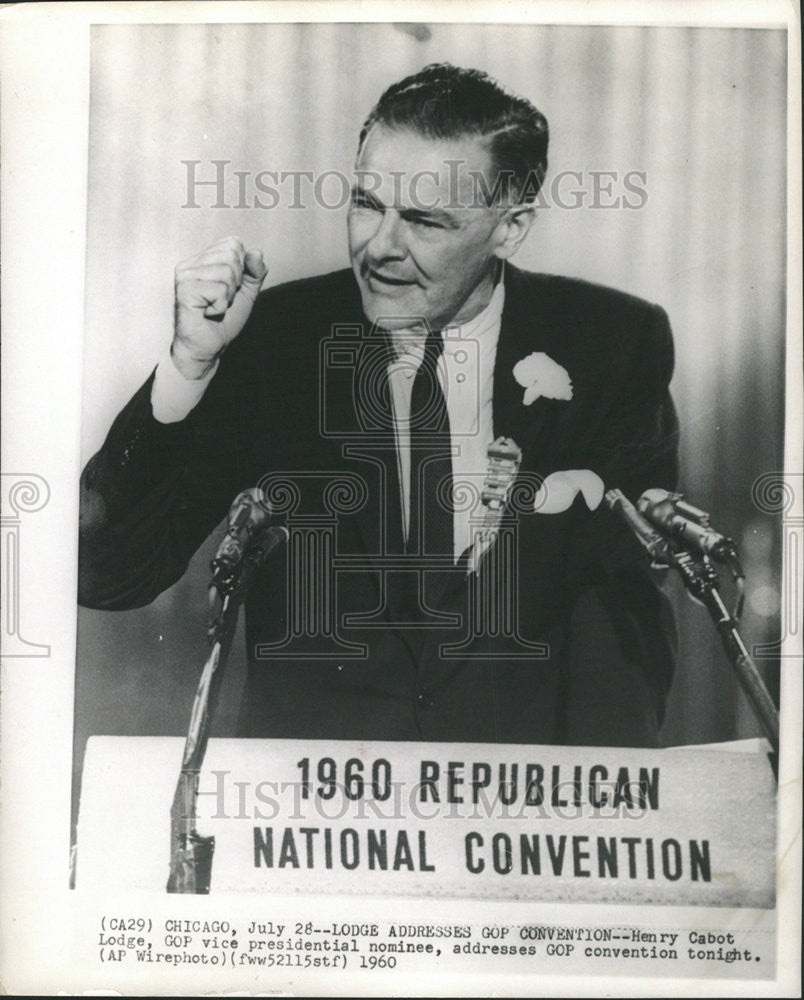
(388, 241)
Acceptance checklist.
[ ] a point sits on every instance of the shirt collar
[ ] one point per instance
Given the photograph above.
(486, 323)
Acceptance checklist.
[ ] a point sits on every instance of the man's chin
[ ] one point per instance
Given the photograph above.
(388, 312)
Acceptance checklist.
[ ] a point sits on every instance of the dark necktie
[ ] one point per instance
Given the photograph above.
(431, 511)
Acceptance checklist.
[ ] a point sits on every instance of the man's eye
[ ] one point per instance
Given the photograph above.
(360, 201)
(427, 223)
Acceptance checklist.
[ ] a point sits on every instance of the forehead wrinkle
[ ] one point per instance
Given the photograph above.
(386, 150)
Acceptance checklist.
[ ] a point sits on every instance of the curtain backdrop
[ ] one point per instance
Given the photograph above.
(698, 112)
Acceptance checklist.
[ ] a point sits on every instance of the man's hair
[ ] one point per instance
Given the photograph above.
(443, 101)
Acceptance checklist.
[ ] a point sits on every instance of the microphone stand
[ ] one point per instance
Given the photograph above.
(191, 853)
(700, 579)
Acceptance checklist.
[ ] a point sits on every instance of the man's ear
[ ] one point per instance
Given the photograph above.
(512, 229)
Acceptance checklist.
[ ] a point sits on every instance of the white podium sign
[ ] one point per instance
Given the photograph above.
(687, 826)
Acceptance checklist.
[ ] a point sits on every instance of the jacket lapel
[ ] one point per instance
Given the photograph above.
(524, 329)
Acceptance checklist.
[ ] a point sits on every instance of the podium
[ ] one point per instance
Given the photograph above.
(682, 826)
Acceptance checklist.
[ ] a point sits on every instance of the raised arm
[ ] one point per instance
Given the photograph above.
(162, 481)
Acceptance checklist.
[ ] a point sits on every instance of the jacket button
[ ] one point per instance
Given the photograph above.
(423, 701)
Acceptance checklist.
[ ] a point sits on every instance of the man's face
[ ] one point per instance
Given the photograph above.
(422, 243)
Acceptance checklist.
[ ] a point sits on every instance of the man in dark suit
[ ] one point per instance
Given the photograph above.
(365, 402)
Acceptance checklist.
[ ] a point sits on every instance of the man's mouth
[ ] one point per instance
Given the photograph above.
(380, 279)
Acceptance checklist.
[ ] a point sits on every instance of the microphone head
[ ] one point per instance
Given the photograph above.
(250, 506)
(254, 493)
(653, 496)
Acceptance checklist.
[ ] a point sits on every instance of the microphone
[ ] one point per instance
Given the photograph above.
(249, 515)
(651, 540)
(681, 521)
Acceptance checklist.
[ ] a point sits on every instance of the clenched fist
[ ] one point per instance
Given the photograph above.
(215, 293)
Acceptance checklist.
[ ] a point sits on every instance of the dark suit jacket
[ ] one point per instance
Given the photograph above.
(585, 653)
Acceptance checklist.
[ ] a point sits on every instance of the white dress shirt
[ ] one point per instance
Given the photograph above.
(466, 373)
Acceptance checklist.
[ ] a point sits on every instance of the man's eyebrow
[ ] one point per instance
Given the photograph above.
(438, 215)
(358, 191)
(413, 214)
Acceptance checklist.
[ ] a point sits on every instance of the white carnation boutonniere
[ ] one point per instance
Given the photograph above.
(539, 375)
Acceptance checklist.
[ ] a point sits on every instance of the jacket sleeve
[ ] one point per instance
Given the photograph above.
(622, 640)
(155, 491)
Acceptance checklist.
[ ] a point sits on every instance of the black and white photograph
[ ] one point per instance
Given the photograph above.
(435, 511)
